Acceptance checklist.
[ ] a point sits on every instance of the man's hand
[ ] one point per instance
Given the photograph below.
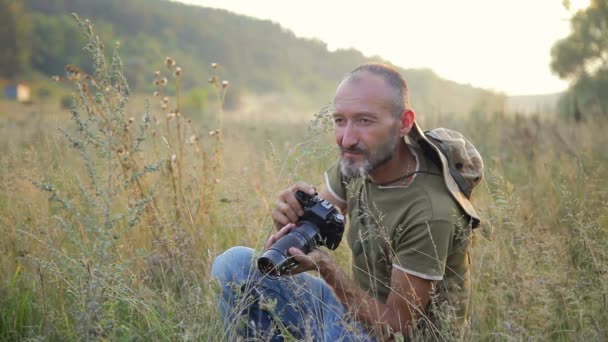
(274, 238)
(316, 260)
(287, 209)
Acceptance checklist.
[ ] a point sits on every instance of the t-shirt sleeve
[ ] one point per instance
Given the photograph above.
(335, 182)
(422, 249)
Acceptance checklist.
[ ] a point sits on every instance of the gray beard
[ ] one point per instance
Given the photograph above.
(374, 159)
(361, 169)
(355, 170)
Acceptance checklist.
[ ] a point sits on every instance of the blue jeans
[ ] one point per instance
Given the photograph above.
(260, 308)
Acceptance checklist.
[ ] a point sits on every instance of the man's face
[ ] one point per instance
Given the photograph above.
(366, 131)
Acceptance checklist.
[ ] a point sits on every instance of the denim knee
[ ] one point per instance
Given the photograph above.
(233, 264)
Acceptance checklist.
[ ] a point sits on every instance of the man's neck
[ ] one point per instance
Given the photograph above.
(402, 163)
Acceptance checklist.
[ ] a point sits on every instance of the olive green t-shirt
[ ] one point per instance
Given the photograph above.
(416, 228)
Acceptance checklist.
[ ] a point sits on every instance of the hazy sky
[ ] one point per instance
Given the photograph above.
(503, 45)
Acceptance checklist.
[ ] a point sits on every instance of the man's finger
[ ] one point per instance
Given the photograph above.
(296, 253)
(279, 218)
(293, 201)
(300, 258)
(289, 206)
(303, 260)
(303, 186)
(274, 238)
(283, 231)
(271, 240)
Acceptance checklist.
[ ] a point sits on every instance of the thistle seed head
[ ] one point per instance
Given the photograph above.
(72, 72)
(169, 62)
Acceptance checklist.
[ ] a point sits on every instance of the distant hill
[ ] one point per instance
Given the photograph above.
(257, 56)
(534, 104)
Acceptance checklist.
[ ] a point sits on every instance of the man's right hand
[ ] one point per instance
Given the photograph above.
(287, 209)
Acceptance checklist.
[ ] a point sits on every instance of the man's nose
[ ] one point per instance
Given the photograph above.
(349, 137)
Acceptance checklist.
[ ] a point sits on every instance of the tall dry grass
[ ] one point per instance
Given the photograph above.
(111, 216)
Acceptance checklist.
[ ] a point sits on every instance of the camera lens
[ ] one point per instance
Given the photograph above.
(276, 261)
(269, 261)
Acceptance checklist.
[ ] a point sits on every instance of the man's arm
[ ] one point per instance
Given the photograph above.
(408, 297)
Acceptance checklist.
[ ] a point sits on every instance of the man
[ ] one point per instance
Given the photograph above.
(409, 234)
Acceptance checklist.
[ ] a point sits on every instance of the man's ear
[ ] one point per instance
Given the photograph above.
(407, 121)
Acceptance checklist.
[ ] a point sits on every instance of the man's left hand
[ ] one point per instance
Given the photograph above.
(316, 260)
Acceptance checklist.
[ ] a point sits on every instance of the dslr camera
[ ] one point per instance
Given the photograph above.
(320, 225)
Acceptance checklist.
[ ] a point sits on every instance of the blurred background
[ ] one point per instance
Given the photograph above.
(141, 138)
(458, 57)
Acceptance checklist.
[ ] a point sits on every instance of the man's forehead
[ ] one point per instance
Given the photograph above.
(362, 85)
(363, 93)
(363, 77)
(360, 104)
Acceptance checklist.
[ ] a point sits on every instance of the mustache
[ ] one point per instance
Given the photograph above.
(354, 149)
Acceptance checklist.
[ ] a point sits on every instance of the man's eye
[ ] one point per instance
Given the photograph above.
(365, 121)
(338, 120)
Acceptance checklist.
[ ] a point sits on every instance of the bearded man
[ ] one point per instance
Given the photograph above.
(408, 232)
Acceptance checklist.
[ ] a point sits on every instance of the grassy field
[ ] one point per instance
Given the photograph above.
(111, 215)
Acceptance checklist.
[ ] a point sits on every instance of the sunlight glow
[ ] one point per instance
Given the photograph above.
(494, 44)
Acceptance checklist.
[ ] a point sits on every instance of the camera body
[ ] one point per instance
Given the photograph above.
(320, 225)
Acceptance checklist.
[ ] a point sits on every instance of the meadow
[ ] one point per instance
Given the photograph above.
(111, 213)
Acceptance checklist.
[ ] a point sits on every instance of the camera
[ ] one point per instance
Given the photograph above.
(320, 225)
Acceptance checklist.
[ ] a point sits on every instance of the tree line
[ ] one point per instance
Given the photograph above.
(257, 56)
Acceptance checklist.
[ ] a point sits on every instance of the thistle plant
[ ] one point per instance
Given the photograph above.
(115, 200)
(134, 216)
(220, 89)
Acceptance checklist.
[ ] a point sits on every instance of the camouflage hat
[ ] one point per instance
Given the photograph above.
(461, 163)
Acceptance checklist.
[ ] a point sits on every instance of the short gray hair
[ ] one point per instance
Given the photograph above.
(392, 77)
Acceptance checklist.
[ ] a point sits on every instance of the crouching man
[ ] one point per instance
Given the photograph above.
(409, 232)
